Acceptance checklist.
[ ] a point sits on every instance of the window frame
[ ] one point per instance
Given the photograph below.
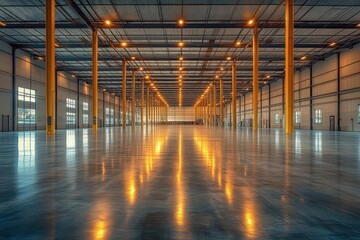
(277, 118)
(318, 116)
(26, 111)
(297, 117)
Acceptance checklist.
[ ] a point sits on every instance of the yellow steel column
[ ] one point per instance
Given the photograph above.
(50, 67)
(95, 80)
(133, 100)
(142, 103)
(151, 108)
(124, 93)
(203, 115)
(233, 66)
(255, 76)
(210, 107)
(289, 65)
(147, 104)
(221, 108)
(214, 119)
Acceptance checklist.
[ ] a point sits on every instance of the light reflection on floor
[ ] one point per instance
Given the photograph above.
(172, 182)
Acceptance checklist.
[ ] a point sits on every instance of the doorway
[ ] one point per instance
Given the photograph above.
(332, 123)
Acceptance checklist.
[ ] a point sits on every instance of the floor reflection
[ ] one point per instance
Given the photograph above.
(179, 182)
(26, 151)
(26, 162)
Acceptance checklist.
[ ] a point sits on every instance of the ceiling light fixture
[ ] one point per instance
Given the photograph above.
(181, 44)
(124, 44)
(238, 43)
(107, 22)
(228, 58)
(222, 69)
(181, 58)
(141, 68)
(251, 22)
(303, 58)
(133, 58)
(333, 44)
(2, 24)
(181, 22)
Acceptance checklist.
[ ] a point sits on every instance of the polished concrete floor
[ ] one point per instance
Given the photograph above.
(173, 182)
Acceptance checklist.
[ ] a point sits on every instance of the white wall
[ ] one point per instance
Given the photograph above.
(30, 73)
(324, 95)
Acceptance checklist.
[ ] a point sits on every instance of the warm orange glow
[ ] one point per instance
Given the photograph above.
(303, 58)
(104, 90)
(133, 58)
(147, 77)
(123, 44)
(217, 76)
(358, 25)
(251, 22)
(181, 58)
(228, 58)
(181, 22)
(333, 44)
(180, 76)
(141, 68)
(268, 76)
(238, 43)
(108, 22)
(2, 24)
(180, 44)
(180, 68)
(221, 69)
(100, 216)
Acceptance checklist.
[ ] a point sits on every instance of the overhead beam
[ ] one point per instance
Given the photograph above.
(174, 25)
(192, 69)
(171, 45)
(188, 59)
(76, 8)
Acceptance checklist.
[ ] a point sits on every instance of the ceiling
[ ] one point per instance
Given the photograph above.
(212, 29)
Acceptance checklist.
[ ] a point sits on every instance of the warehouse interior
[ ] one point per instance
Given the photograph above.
(137, 119)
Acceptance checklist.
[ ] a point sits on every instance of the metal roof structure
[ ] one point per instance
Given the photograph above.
(214, 34)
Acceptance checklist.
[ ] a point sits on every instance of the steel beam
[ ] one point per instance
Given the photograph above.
(50, 67)
(289, 65)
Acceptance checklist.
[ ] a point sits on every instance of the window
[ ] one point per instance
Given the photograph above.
(70, 111)
(359, 113)
(26, 95)
(26, 106)
(277, 119)
(85, 106)
(111, 116)
(297, 117)
(107, 116)
(70, 118)
(318, 116)
(85, 113)
(26, 116)
(70, 103)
